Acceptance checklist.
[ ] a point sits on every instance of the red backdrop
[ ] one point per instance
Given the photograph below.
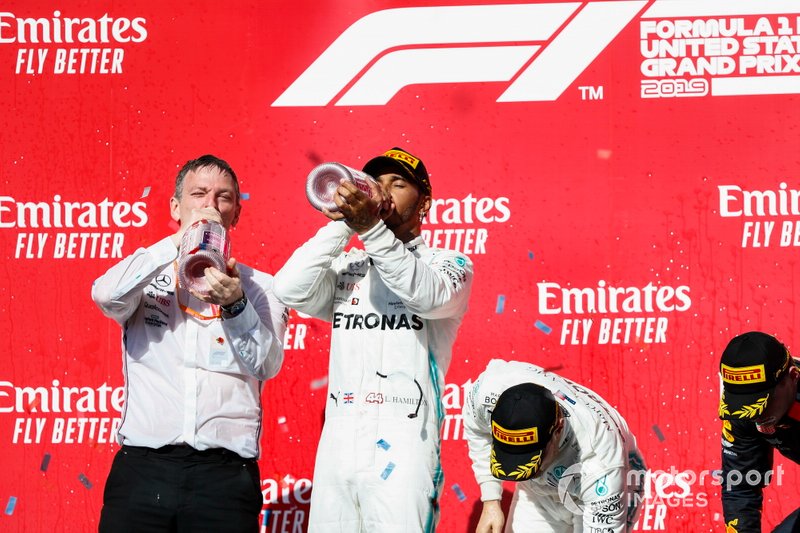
(574, 149)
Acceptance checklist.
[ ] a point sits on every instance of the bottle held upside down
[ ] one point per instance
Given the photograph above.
(324, 179)
(204, 244)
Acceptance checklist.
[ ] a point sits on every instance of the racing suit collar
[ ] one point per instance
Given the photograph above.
(414, 243)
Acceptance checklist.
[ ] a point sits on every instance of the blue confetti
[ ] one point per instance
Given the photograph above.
(387, 470)
(245, 196)
(45, 462)
(146, 192)
(459, 493)
(12, 503)
(561, 396)
(658, 433)
(543, 327)
(501, 303)
(383, 444)
(265, 522)
(86, 483)
(530, 255)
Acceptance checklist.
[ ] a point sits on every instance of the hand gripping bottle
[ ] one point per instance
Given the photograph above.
(324, 179)
(204, 244)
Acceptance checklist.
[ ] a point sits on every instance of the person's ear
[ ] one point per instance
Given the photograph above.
(424, 206)
(175, 209)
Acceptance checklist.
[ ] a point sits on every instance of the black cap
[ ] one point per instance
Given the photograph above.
(407, 165)
(750, 367)
(523, 422)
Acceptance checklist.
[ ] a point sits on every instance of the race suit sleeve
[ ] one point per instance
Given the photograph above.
(605, 508)
(257, 332)
(118, 292)
(743, 451)
(477, 429)
(307, 281)
(437, 290)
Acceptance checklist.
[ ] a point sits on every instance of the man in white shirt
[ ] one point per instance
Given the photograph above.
(395, 309)
(194, 366)
(572, 455)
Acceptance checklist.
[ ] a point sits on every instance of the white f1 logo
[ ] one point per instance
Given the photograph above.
(462, 44)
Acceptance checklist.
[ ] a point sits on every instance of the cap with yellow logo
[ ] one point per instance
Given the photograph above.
(750, 367)
(407, 165)
(523, 421)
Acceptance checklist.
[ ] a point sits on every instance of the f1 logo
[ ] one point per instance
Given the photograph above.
(552, 44)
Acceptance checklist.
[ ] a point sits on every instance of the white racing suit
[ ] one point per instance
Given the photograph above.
(395, 310)
(595, 482)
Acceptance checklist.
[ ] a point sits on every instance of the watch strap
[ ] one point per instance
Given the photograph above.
(234, 308)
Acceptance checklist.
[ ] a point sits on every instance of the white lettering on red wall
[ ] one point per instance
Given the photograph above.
(463, 224)
(42, 413)
(93, 38)
(638, 314)
(34, 222)
(771, 216)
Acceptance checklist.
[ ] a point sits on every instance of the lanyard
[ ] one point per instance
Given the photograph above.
(189, 310)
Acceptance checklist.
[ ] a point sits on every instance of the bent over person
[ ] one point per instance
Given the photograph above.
(574, 460)
(395, 308)
(194, 365)
(760, 409)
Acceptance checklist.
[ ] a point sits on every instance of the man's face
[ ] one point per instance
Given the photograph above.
(551, 450)
(408, 202)
(207, 187)
(781, 400)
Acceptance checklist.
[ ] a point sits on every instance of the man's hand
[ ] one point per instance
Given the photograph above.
(201, 213)
(359, 211)
(224, 289)
(492, 518)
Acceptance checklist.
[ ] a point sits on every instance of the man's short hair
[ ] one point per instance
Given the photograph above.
(204, 161)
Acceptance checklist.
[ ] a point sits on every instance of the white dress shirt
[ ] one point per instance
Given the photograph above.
(190, 380)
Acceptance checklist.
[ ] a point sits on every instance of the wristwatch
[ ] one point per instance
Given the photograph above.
(234, 308)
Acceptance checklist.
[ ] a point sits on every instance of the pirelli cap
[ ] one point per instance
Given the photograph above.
(407, 165)
(523, 422)
(750, 367)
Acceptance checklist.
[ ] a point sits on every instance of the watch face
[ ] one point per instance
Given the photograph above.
(236, 307)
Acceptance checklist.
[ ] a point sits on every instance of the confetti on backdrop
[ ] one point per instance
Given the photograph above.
(658, 433)
(12, 503)
(544, 328)
(33, 404)
(85, 481)
(282, 424)
(501, 303)
(459, 493)
(383, 444)
(146, 192)
(319, 383)
(245, 195)
(45, 462)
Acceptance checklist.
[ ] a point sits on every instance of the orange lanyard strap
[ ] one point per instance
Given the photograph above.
(189, 310)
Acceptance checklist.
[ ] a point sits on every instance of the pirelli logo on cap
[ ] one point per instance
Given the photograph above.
(744, 375)
(403, 156)
(516, 437)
